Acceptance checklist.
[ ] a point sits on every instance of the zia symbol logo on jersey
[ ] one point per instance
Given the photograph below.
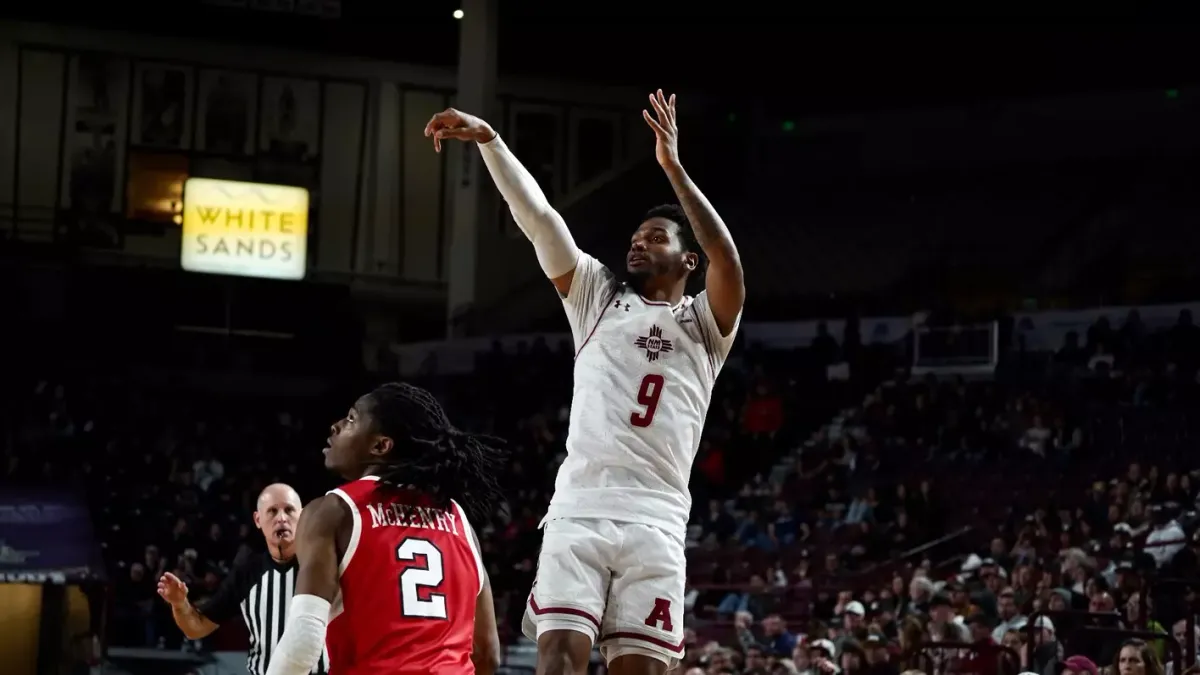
(655, 344)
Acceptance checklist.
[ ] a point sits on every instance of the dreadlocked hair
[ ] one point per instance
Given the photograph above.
(432, 455)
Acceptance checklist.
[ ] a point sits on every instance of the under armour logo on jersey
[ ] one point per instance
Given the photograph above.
(655, 344)
(619, 303)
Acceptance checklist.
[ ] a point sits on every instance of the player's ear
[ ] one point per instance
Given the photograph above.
(381, 446)
(256, 522)
(691, 261)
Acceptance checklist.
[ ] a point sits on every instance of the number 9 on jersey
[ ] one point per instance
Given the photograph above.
(648, 395)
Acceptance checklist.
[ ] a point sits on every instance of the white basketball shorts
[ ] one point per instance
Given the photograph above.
(622, 584)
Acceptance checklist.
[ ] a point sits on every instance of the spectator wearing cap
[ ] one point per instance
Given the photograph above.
(853, 659)
(1010, 614)
(1060, 600)
(879, 656)
(984, 659)
(993, 576)
(1045, 651)
(942, 625)
(854, 618)
(1122, 535)
(960, 599)
(820, 658)
(1079, 665)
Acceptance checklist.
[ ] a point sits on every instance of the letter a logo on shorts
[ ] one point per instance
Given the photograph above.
(661, 614)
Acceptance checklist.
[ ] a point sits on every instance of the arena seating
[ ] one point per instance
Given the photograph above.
(842, 491)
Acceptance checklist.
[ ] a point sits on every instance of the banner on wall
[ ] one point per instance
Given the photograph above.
(244, 229)
(46, 537)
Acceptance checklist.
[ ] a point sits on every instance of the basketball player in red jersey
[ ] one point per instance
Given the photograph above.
(389, 562)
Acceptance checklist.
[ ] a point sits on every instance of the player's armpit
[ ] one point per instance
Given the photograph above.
(485, 653)
(562, 284)
(316, 547)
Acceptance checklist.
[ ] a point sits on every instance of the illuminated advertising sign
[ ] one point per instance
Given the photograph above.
(244, 229)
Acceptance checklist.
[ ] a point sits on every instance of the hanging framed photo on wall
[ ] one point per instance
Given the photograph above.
(227, 107)
(93, 151)
(162, 106)
(290, 124)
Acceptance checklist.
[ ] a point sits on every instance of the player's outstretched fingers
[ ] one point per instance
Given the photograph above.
(445, 119)
(439, 120)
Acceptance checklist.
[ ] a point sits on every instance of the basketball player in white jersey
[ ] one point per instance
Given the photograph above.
(612, 570)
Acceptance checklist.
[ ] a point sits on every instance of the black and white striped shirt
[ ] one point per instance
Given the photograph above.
(261, 589)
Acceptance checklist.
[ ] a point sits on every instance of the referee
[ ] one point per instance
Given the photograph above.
(260, 587)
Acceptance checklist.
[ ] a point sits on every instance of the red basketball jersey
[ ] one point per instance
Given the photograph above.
(409, 581)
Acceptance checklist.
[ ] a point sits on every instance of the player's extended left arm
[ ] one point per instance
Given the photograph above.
(316, 551)
(725, 284)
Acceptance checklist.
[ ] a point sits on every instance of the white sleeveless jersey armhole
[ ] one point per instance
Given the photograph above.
(467, 530)
(355, 526)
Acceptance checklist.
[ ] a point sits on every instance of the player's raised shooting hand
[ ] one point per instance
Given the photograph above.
(451, 123)
(666, 149)
(171, 589)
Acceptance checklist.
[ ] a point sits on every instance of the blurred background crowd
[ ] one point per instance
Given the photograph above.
(958, 432)
(848, 524)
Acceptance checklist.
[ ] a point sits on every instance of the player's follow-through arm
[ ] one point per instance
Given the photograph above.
(724, 281)
(316, 585)
(556, 249)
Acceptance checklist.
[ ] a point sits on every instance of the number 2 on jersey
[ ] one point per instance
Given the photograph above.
(415, 579)
(647, 397)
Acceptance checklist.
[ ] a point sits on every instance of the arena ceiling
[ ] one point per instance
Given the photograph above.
(812, 57)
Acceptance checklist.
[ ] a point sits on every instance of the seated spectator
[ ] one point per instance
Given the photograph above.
(859, 511)
(743, 601)
(1135, 657)
(1010, 614)
(1036, 437)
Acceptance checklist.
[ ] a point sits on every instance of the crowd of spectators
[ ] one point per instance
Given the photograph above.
(839, 524)
(1066, 484)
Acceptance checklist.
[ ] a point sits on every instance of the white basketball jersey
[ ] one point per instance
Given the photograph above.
(644, 375)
